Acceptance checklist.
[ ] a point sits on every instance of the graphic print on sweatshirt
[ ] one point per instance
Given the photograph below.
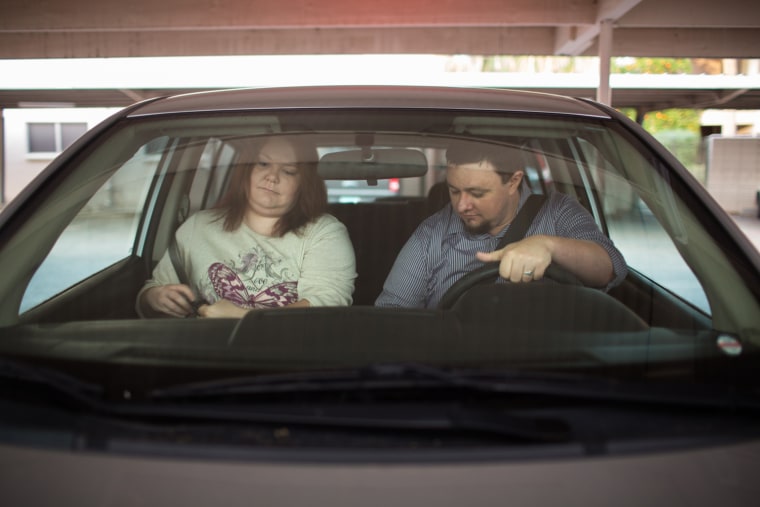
(255, 280)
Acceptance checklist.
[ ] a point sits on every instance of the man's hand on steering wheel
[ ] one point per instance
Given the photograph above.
(522, 261)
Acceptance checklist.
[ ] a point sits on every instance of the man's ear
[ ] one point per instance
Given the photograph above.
(516, 178)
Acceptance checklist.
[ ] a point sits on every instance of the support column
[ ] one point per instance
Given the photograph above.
(603, 92)
(639, 116)
(2, 159)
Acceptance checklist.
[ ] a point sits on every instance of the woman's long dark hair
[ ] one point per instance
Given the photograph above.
(311, 197)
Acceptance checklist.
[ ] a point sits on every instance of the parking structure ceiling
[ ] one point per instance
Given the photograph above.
(144, 28)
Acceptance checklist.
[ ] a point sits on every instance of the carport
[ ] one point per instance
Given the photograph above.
(111, 28)
(604, 28)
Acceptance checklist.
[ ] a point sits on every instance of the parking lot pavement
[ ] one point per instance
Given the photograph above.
(751, 228)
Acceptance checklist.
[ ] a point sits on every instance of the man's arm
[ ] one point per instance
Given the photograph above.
(527, 260)
(407, 282)
(566, 234)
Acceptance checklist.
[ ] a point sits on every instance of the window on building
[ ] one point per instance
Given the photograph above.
(53, 137)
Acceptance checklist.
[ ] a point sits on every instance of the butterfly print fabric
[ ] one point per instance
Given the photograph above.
(254, 283)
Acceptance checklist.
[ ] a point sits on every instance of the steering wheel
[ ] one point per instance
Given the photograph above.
(490, 272)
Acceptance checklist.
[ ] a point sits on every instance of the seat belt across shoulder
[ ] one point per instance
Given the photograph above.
(522, 221)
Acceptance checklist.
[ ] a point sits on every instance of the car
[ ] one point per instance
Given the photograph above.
(541, 393)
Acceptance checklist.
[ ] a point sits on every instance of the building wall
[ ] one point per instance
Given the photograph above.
(733, 172)
(20, 166)
(733, 122)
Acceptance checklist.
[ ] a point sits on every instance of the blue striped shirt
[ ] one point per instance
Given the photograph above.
(441, 250)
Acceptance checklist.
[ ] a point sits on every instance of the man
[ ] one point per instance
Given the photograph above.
(486, 190)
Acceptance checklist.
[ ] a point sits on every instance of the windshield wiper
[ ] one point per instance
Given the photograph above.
(381, 416)
(384, 416)
(382, 375)
(62, 383)
(449, 416)
(415, 375)
(422, 414)
(393, 396)
(537, 406)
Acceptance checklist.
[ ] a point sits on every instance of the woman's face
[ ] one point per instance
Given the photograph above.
(273, 186)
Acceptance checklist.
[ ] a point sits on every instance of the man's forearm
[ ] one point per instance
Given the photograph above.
(585, 259)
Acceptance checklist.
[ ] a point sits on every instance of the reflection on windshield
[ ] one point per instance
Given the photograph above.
(180, 168)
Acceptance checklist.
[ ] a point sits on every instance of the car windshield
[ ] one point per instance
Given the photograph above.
(681, 301)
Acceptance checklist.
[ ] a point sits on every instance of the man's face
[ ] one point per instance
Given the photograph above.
(480, 198)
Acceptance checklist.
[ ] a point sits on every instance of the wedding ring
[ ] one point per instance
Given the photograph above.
(528, 273)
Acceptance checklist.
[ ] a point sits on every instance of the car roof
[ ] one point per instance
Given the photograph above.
(385, 97)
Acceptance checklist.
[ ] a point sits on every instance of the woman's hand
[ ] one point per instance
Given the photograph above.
(222, 309)
(174, 300)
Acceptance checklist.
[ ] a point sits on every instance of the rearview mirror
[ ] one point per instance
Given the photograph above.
(372, 164)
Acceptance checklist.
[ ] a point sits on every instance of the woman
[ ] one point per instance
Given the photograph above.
(268, 244)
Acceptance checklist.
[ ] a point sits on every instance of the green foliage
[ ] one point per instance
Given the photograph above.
(686, 146)
(651, 66)
(668, 119)
(672, 119)
(682, 143)
(536, 64)
(678, 130)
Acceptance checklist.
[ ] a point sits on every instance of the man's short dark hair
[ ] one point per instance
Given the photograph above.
(505, 159)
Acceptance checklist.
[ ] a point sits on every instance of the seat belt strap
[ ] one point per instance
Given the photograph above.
(176, 263)
(182, 274)
(522, 221)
